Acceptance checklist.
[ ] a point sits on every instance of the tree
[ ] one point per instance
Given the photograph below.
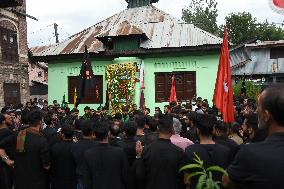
(203, 14)
(243, 27)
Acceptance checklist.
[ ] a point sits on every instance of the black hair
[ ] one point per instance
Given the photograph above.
(67, 131)
(252, 121)
(47, 120)
(34, 117)
(2, 118)
(87, 127)
(130, 129)
(273, 102)
(101, 130)
(148, 109)
(165, 124)
(205, 124)
(153, 125)
(221, 126)
(118, 116)
(114, 130)
(140, 120)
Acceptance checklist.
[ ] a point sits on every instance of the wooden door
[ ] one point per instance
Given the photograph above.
(12, 94)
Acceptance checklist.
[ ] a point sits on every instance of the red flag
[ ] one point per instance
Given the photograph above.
(173, 97)
(279, 3)
(223, 94)
(142, 100)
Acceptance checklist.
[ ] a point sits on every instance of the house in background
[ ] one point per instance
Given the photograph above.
(14, 79)
(38, 80)
(143, 35)
(261, 62)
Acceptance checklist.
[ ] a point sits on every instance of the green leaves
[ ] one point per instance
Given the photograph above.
(205, 180)
(203, 14)
(190, 166)
(217, 169)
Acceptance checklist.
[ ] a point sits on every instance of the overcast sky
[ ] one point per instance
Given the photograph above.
(73, 16)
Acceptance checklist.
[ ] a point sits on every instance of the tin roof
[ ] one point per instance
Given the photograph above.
(160, 29)
(266, 44)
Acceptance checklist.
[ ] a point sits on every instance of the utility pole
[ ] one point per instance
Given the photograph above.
(56, 32)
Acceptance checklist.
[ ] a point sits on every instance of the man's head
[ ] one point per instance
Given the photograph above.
(114, 130)
(87, 128)
(271, 108)
(8, 119)
(147, 111)
(250, 125)
(67, 131)
(165, 125)
(177, 126)
(87, 110)
(130, 129)
(74, 113)
(204, 125)
(167, 109)
(141, 121)
(124, 111)
(102, 130)
(48, 120)
(134, 106)
(35, 118)
(220, 128)
(157, 110)
(54, 102)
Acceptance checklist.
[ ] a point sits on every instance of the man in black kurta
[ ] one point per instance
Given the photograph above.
(31, 160)
(104, 166)
(63, 167)
(79, 148)
(5, 170)
(161, 160)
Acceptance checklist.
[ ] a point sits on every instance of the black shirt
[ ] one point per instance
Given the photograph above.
(114, 141)
(29, 169)
(260, 165)
(229, 143)
(49, 132)
(211, 154)
(160, 164)
(63, 166)
(78, 150)
(105, 167)
(151, 137)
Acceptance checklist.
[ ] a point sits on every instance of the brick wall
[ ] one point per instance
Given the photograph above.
(18, 72)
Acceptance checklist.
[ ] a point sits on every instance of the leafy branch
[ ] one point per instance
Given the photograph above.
(205, 179)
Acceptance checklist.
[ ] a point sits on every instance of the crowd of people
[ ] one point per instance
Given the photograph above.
(50, 147)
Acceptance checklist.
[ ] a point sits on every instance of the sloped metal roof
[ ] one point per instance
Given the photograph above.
(266, 44)
(161, 29)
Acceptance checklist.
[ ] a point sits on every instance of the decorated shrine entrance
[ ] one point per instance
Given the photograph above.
(121, 80)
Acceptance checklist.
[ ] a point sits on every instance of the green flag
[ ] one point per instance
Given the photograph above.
(63, 102)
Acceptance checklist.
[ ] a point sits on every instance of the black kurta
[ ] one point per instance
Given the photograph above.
(105, 167)
(5, 170)
(63, 166)
(29, 169)
(78, 149)
(160, 164)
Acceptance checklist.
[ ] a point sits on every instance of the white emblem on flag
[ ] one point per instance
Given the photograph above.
(226, 88)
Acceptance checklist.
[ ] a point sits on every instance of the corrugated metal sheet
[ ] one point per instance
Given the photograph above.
(266, 44)
(255, 61)
(161, 29)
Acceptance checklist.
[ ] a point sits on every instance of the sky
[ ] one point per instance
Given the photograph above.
(72, 16)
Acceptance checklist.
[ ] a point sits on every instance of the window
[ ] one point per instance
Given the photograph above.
(276, 53)
(185, 83)
(9, 46)
(92, 96)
